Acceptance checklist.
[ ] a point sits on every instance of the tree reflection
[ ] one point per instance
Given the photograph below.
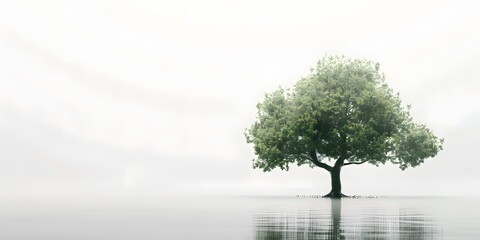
(331, 224)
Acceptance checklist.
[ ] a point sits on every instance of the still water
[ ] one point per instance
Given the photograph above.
(243, 218)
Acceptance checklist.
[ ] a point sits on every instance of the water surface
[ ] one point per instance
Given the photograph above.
(243, 218)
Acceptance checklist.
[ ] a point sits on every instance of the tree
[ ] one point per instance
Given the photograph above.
(343, 112)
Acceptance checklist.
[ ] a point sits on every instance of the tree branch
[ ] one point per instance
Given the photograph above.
(357, 163)
(314, 159)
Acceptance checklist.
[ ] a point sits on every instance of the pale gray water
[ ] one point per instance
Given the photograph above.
(243, 218)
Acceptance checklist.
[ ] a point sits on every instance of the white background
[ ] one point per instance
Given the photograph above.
(100, 98)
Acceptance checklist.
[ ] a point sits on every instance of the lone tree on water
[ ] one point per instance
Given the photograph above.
(343, 113)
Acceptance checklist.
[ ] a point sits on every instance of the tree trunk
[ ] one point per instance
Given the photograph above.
(336, 191)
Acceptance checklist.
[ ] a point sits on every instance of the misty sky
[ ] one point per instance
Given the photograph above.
(153, 96)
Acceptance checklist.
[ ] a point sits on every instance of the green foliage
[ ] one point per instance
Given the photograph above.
(342, 110)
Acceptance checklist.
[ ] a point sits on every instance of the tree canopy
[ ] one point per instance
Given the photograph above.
(343, 110)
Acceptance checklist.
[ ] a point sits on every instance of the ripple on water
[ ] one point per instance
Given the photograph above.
(333, 222)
